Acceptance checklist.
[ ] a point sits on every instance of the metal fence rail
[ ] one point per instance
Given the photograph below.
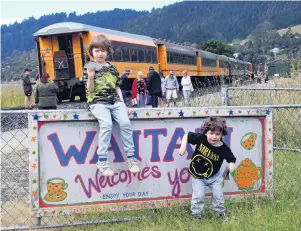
(262, 96)
(15, 214)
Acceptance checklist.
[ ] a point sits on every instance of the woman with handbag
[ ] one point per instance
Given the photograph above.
(187, 87)
(139, 91)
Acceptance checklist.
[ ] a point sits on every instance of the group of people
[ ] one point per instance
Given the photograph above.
(45, 92)
(156, 90)
(106, 101)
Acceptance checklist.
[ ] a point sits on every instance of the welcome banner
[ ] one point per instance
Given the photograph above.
(67, 180)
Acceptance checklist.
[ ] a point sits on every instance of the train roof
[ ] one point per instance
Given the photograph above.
(176, 48)
(238, 61)
(207, 54)
(73, 27)
(223, 58)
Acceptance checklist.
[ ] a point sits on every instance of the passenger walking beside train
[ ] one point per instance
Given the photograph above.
(27, 88)
(46, 93)
(161, 99)
(106, 102)
(154, 86)
(139, 91)
(187, 87)
(171, 88)
(125, 84)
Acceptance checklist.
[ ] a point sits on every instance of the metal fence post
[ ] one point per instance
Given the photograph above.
(224, 95)
(38, 221)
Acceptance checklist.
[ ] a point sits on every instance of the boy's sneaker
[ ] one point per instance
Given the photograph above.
(105, 168)
(133, 164)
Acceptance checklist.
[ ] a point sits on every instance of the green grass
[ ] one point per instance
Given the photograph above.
(281, 213)
(12, 95)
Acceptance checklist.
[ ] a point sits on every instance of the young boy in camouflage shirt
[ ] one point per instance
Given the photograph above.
(105, 101)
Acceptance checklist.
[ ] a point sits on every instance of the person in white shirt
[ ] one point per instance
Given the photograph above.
(187, 87)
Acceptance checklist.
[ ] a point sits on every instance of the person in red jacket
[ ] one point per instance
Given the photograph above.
(139, 91)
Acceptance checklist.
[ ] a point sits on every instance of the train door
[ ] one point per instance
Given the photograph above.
(65, 44)
(162, 57)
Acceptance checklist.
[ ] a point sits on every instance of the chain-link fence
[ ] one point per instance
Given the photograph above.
(15, 197)
(262, 96)
(15, 211)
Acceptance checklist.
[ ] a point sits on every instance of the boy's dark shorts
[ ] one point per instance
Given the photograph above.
(28, 94)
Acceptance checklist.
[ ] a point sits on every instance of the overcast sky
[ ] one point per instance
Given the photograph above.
(12, 11)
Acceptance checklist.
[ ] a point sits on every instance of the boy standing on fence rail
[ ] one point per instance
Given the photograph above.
(105, 101)
(205, 165)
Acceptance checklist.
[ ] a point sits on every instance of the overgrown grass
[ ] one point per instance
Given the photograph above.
(12, 95)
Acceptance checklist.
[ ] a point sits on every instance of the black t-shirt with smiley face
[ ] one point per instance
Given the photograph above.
(207, 159)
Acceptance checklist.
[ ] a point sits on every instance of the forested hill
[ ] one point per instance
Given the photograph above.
(196, 21)
(19, 36)
(180, 22)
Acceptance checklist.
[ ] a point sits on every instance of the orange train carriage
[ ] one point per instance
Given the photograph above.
(63, 50)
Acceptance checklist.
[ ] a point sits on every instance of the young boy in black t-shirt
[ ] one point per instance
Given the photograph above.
(205, 165)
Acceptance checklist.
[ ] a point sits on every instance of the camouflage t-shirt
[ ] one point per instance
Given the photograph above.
(106, 81)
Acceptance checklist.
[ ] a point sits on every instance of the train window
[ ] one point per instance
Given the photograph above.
(176, 58)
(148, 57)
(110, 57)
(153, 57)
(193, 60)
(170, 58)
(126, 54)
(188, 59)
(223, 64)
(134, 54)
(141, 57)
(208, 62)
(117, 55)
(183, 59)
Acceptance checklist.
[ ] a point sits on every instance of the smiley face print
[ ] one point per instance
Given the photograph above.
(201, 166)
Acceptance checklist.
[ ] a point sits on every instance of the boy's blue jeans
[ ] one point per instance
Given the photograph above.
(104, 114)
(198, 196)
